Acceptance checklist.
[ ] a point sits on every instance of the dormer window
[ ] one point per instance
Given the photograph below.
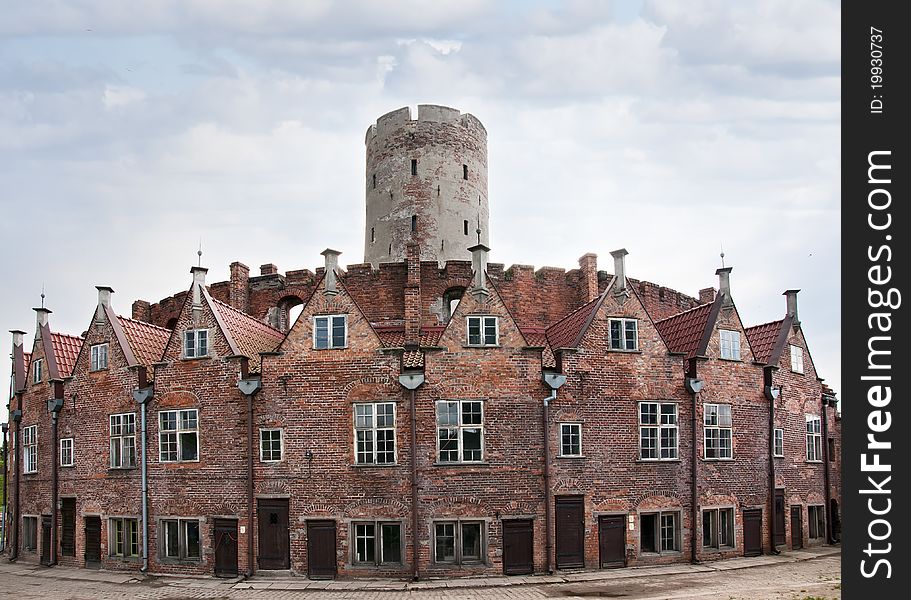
(624, 334)
(330, 331)
(796, 359)
(99, 357)
(36, 370)
(196, 343)
(483, 331)
(730, 344)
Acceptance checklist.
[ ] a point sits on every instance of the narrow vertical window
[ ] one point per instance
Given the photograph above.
(99, 357)
(30, 449)
(414, 166)
(779, 442)
(464, 171)
(36, 370)
(796, 359)
(465, 226)
(374, 181)
(66, 452)
(373, 234)
(414, 222)
(814, 438)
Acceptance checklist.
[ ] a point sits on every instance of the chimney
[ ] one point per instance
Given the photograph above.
(791, 296)
(18, 360)
(142, 311)
(588, 267)
(620, 270)
(707, 295)
(268, 269)
(237, 292)
(331, 266)
(199, 281)
(104, 301)
(479, 267)
(43, 318)
(724, 285)
(413, 296)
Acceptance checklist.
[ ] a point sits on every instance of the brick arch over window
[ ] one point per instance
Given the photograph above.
(451, 299)
(284, 315)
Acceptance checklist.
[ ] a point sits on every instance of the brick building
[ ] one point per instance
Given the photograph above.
(420, 418)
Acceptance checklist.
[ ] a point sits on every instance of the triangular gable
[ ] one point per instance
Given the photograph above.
(220, 345)
(455, 330)
(119, 337)
(729, 318)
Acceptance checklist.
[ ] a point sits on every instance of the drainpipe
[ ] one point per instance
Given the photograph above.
(249, 387)
(554, 381)
(3, 524)
(16, 416)
(54, 406)
(142, 396)
(771, 393)
(694, 385)
(826, 402)
(411, 382)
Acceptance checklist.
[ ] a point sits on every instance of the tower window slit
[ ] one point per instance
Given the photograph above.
(465, 226)
(414, 166)
(414, 222)
(464, 171)
(374, 181)
(373, 234)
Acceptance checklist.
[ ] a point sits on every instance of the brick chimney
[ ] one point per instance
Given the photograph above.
(724, 285)
(791, 296)
(413, 295)
(479, 268)
(620, 270)
(238, 292)
(142, 311)
(268, 269)
(707, 295)
(331, 257)
(588, 267)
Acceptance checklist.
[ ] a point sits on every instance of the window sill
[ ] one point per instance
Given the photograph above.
(126, 559)
(814, 462)
(374, 566)
(622, 351)
(189, 358)
(332, 348)
(571, 456)
(112, 470)
(718, 459)
(188, 463)
(481, 346)
(477, 563)
(461, 464)
(649, 554)
(98, 370)
(375, 466)
(179, 561)
(656, 461)
(733, 360)
(714, 549)
(778, 456)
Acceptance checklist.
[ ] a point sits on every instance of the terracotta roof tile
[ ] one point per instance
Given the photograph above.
(567, 332)
(412, 359)
(535, 336)
(683, 331)
(762, 339)
(147, 341)
(66, 350)
(430, 336)
(250, 335)
(391, 336)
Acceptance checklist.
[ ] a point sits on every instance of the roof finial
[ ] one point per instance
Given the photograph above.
(722, 255)
(478, 230)
(42, 294)
(199, 253)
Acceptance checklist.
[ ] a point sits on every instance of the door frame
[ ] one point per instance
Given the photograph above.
(623, 518)
(506, 523)
(569, 499)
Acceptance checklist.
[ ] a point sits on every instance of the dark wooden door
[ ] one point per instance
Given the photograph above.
(46, 539)
(321, 549)
(779, 518)
(274, 541)
(68, 527)
(612, 541)
(796, 527)
(570, 532)
(92, 541)
(225, 547)
(752, 532)
(518, 545)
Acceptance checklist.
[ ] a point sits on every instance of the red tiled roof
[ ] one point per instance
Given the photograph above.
(66, 350)
(683, 331)
(412, 359)
(762, 339)
(567, 332)
(147, 341)
(430, 336)
(535, 336)
(393, 336)
(250, 335)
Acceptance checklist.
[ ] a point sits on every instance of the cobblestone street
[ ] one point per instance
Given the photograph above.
(801, 575)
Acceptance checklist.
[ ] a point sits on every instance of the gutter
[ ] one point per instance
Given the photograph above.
(249, 387)
(554, 381)
(3, 525)
(694, 385)
(411, 382)
(143, 396)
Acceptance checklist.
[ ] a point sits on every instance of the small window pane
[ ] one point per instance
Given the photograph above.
(188, 449)
(471, 438)
(471, 541)
(192, 533)
(172, 545)
(322, 332)
(445, 542)
(392, 543)
(365, 542)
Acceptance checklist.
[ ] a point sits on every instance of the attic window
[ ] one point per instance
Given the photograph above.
(330, 331)
(36, 370)
(730, 344)
(414, 166)
(483, 331)
(464, 171)
(624, 334)
(196, 343)
(99, 357)
(796, 359)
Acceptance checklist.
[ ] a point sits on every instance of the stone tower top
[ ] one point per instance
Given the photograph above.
(426, 183)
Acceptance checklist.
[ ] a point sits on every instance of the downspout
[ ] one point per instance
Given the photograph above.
(54, 406)
(826, 401)
(694, 385)
(14, 541)
(249, 387)
(554, 381)
(771, 393)
(411, 382)
(142, 396)
(3, 525)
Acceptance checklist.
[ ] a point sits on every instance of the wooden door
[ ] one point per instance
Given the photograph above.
(68, 527)
(570, 532)
(321, 549)
(225, 547)
(779, 518)
(46, 539)
(752, 532)
(92, 541)
(612, 541)
(274, 541)
(518, 545)
(796, 527)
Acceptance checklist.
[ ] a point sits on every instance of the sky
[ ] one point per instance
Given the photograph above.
(131, 133)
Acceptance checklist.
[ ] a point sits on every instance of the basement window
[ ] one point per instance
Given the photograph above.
(99, 357)
(459, 542)
(179, 539)
(624, 334)
(124, 537)
(659, 532)
(330, 331)
(414, 166)
(816, 522)
(483, 331)
(29, 533)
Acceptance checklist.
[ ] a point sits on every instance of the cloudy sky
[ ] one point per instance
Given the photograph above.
(130, 131)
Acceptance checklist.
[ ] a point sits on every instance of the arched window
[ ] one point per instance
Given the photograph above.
(289, 309)
(451, 299)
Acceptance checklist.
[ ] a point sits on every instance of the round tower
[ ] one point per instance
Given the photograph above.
(427, 184)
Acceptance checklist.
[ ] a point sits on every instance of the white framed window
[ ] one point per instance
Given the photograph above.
(67, 452)
(29, 533)
(179, 539)
(718, 431)
(624, 334)
(124, 537)
(30, 449)
(658, 435)
(459, 542)
(123, 441)
(374, 433)
(37, 368)
(271, 445)
(195, 343)
(570, 439)
(718, 528)
(796, 359)
(330, 331)
(730, 344)
(659, 532)
(816, 521)
(99, 357)
(178, 435)
(778, 449)
(814, 438)
(460, 430)
(377, 543)
(483, 330)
